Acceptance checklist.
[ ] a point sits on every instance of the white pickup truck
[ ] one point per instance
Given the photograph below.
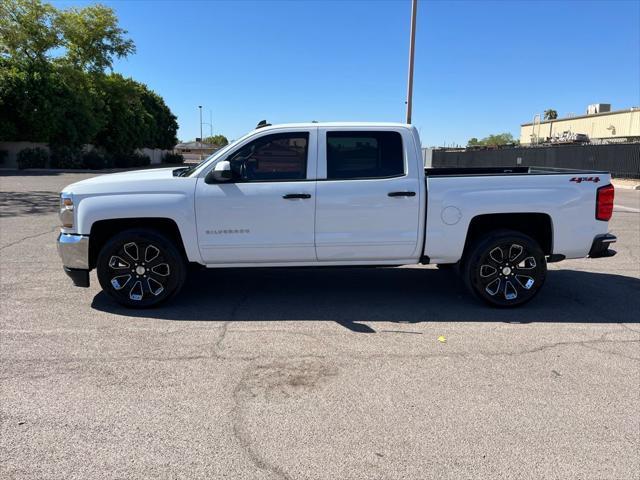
(341, 194)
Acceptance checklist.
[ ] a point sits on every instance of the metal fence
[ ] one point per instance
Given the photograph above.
(622, 160)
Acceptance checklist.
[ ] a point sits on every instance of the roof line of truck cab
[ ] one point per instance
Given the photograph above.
(335, 124)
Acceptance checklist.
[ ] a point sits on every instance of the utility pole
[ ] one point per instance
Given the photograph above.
(200, 108)
(412, 44)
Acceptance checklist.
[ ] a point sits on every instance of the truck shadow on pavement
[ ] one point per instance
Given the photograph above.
(351, 296)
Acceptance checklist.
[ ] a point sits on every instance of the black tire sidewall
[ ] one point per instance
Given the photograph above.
(173, 257)
(488, 242)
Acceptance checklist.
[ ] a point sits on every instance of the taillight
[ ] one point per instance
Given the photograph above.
(604, 203)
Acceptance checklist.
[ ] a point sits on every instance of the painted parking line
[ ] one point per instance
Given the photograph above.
(622, 208)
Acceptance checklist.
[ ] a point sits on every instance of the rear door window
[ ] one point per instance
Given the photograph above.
(363, 155)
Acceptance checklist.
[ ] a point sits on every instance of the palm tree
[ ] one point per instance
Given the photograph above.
(550, 114)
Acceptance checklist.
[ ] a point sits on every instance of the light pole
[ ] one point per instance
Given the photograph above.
(200, 108)
(412, 42)
(210, 123)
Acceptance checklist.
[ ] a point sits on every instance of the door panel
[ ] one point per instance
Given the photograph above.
(252, 222)
(267, 213)
(358, 219)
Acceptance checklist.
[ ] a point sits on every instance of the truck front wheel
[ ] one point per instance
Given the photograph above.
(140, 268)
(505, 268)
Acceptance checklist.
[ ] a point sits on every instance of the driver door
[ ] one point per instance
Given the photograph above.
(266, 212)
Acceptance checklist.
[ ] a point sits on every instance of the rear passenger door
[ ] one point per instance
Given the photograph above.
(367, 195)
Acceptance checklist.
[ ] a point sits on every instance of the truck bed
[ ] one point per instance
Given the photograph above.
(479, 171)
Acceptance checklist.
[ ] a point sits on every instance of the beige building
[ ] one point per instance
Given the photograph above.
(195, 148)
(601, 125)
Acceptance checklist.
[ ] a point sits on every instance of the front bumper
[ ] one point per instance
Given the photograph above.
(600, 246)
(80, 278)
(74, 252)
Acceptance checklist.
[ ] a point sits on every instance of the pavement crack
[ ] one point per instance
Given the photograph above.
(241, 432)
(629, 328)
(287, 331)
(583, 343)
(217, 348)
(609, 352)
(28, 237)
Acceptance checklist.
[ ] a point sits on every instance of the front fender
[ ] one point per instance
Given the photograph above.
(176, 206)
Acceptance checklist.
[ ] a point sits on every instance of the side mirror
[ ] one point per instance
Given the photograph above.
(220, 173)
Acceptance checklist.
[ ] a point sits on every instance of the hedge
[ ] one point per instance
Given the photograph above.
(33, 158)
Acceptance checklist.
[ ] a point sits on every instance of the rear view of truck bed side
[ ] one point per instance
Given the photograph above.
(502, 226)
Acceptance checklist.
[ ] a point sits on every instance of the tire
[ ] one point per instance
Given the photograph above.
(140, 268)
(505, 268)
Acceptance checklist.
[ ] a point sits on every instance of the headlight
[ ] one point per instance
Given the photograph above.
(66, 210)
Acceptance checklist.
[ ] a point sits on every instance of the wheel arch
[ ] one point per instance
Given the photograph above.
(538, 226)
(103, 230)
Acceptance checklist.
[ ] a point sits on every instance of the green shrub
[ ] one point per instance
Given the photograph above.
(173, 158)
(96, 160)
(66, 157)
(3, 156)
(32, 158)
(131, 160)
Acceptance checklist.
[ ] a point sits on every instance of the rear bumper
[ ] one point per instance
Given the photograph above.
(74, 252)
(600, 246)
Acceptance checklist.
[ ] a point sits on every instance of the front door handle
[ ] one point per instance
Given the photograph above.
(289, 196)
(402, 194)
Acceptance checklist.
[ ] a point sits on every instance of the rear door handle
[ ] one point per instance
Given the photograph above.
(402, 194)
(289, 196)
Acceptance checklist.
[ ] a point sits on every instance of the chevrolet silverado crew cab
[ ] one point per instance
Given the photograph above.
(331, 194)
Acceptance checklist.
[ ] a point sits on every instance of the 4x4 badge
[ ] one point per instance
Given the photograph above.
(585, 179)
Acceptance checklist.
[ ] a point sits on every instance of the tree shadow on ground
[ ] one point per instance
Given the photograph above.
(350, 296)
(36, 202)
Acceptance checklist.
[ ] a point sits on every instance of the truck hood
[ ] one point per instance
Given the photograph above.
(135, 180)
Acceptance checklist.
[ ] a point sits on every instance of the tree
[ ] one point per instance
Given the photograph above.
(27, 30)
(92, 37)
(493, 140)
(44, 103)
(54, 88)
(162, 124)
(550, 114)
(218, 140)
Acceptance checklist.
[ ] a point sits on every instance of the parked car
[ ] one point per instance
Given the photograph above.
(331, 194)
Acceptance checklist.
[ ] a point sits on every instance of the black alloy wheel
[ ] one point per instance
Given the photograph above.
(505, 268)
(140, 268)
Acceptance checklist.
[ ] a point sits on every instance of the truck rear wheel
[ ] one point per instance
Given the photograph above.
(140, 268)
(505, 268)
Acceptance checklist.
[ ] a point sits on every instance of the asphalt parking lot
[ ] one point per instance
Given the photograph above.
(327, 373)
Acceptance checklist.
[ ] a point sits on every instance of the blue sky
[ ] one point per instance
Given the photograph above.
(481, 67)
